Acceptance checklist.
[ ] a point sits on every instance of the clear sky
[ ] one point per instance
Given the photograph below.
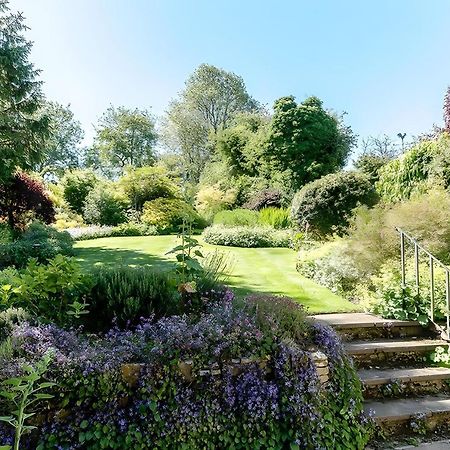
(385, 62)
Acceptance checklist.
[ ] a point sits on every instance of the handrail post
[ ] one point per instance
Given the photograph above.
(447, 282)
(402, 251)
(432, 288)
(416, 266)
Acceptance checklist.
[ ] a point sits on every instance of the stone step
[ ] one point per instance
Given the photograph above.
(359, 326)
(391, 352)
(443, 444)
(379, 383)
(408, 416)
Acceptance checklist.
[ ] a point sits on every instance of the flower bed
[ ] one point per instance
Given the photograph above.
(253, 382)
(100, 231)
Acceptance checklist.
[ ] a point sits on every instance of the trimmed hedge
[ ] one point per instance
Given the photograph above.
(247, 236)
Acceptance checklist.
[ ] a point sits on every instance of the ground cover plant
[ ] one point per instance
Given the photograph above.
(128, 388)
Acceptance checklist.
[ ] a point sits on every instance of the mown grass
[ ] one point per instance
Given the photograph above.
(269, 270)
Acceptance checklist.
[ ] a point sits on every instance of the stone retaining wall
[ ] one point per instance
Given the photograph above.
(131, 372)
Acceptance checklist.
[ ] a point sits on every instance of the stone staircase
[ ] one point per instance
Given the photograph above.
(405, 394)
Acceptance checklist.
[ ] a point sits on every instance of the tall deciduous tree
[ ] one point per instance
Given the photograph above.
(209, 102)
(126, 137)
(242, 144)
(376, 152)
(61, 149)
(447, 110)
(23, 128)
(306, 140)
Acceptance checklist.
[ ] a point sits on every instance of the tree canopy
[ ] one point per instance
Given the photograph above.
(61, 150)
(24, 127)
(126, 137)
(211, 99)
(306, 140)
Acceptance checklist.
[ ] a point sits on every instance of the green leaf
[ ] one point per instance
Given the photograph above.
(43, 396)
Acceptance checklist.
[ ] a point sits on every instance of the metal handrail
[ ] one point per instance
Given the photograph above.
(432, 261)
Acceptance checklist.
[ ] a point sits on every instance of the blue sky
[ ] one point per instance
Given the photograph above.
(385, 62)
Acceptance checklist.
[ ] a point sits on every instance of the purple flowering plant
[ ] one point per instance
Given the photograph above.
(264, 393)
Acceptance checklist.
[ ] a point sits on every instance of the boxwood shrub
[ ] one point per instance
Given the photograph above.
(325, 205)
(247, 236)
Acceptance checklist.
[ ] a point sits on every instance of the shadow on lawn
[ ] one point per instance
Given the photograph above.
(119, 257)
(91, 257)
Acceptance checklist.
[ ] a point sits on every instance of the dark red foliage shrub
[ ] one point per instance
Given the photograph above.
(21, 198)
(265, 198)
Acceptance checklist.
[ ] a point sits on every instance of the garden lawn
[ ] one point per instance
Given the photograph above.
(268, 270)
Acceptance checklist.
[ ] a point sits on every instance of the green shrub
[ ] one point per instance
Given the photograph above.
(76, 186)
(326, 204)
(278, 218)
(330, 266)
(147, 183)
(421, 168)
(236, 217)
(39, 241)
(373, 238)
(104, 206)
(48, 291)
(247, 236)
(169, 214)
(125, 294)
(212, 199)
(386, 296)
(370, 165)
(6, 234)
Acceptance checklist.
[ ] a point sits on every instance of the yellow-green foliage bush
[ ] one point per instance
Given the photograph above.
(212, 199)
(278, 218)
(68, 219)
(169, 214)
(236, 217)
